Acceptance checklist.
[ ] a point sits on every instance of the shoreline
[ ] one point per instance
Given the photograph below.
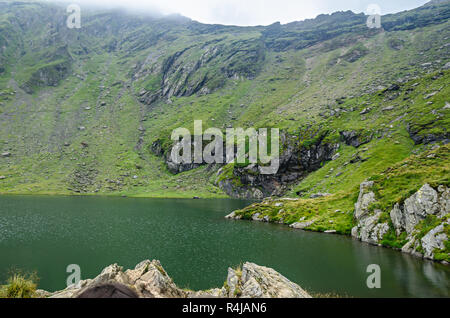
(342, 235)
(118, 195)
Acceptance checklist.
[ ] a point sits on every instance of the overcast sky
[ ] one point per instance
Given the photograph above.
(254, 12)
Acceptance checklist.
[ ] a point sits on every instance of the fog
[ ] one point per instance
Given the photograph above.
(249, 12)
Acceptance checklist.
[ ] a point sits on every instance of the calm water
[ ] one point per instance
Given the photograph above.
(195, 244)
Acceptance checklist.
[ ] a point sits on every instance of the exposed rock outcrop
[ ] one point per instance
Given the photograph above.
(421, 136)
(410, 217)
(49, 75)
(355, 138)
(369, 229)
(255, 281)
(149, 280)
(296, 161)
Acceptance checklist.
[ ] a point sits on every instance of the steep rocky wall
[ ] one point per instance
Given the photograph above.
(296, 161)
(410, 218)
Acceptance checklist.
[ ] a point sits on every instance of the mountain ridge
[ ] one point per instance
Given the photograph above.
(82, 109)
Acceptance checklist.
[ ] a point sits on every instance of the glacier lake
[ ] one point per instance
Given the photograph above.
(195, 245)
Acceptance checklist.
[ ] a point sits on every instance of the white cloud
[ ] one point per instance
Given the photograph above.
(253, 12)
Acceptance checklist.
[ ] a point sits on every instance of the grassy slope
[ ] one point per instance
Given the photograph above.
(398, 166)
(293, 87)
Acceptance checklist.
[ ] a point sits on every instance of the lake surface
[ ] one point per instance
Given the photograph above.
(195, 245)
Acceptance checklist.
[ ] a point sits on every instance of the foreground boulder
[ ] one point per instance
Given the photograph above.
(149, 280)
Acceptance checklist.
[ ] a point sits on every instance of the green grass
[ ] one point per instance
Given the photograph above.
(19, 286)
(335, 212)
(286, 89)
(329, 213)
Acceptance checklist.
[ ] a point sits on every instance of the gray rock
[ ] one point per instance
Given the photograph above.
(232, 215)
(6, 154)
(319, 195)
(434, 240)
(336, 156)
(355, 232)
(419, 206)
(405, 217)
(398, 219)
(262, 282)
(232, 282)
(447, 105)
(370, 231)
(365, 111)
(430, 95)
(365, 199)
(301, 225)
(256, 217)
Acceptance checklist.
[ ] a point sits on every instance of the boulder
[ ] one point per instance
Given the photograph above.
(262, 282)
(428, 96)
(319, 195)
(232, 215)
(149, 280)
(301, 225)
(256, 217)
(434, 240)
(336, 156)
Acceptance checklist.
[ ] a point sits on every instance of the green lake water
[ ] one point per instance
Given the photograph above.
(195, 245)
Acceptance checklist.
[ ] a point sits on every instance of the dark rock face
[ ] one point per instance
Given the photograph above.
(173, 167)
(47, 76)
(185, 74)
(355, 54)
(109, 291)
(156, 148)
(296, 162)
(354, 138)
(396, 44)
(419, 138)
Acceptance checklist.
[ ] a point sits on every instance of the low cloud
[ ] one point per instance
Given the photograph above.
(249, 12)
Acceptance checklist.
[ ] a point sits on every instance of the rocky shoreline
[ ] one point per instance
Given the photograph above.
(419, 224)
(149, 280)
(428, 206)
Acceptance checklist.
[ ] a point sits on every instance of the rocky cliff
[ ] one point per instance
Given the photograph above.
(421, 221)
(149, 280)
(297, 159)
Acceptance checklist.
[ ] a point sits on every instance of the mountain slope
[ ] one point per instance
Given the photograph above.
(81, 109)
